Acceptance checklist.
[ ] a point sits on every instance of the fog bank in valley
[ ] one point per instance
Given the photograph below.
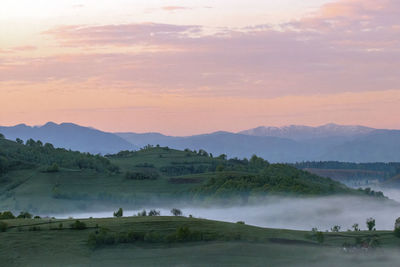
(290, 213)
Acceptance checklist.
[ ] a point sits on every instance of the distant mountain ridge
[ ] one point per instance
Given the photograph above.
(69, 136)
(276, 144)
(300, 132)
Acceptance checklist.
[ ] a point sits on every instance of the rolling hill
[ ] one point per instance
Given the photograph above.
(146, 241)
(42, 178)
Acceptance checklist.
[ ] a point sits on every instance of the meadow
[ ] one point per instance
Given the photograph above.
(52, 242)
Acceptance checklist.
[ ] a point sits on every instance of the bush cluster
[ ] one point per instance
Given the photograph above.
(78, 225)
(182, 234)
(145, 175)
(6, 215)
(3, 226)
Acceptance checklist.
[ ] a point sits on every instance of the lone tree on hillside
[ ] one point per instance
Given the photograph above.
(356, 227)
(371, 224)
(176, 212)
(154, 213)
(119, 213)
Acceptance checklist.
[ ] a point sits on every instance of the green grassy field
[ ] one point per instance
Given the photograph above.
(51, 246)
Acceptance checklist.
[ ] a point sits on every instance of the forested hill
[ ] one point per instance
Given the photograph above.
(35, 154)
(38, 177)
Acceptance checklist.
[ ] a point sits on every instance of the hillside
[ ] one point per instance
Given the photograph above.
(180, 241)
(69, 136)
(41, 178)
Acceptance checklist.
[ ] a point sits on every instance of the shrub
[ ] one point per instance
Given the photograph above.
(119, 213)
(24, 215)
(176, 212)
(78, 225)
(316, 235)
(336, 228)
(6, 215)
(34, 228)
(183, 233)
(3, 226)
(153, 237)
(52, 168)
(102, 237)
(371, 224)
(154, 213)
(319, 236)
(240, 222)
(397, 232)
(145, 175)
(135, 236)
(144, 165)
(142, 213)
(37, 217)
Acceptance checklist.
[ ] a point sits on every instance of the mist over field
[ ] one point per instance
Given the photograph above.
(289, 213)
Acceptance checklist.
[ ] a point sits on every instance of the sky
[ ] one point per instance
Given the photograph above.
(186, 67)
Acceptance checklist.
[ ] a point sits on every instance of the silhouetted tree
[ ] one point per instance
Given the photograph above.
(371, 224)
(24, 215)
(176, 212)
(119, 213)
(154, 213)
(356, 227)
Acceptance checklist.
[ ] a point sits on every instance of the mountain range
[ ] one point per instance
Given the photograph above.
(276, 144)
(69, 136)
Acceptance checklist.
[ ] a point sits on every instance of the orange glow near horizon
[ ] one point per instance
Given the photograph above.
(199, 67)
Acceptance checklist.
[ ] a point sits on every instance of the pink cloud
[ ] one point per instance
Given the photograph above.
(24, 48)
(126, 34)
(329, 52)
(174, 8)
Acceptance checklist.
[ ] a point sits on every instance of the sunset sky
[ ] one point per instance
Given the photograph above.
(195, 66)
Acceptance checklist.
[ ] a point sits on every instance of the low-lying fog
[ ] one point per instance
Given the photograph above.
(290, 213)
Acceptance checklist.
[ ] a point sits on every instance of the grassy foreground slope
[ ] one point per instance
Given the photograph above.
(41, 242)
(42, 179)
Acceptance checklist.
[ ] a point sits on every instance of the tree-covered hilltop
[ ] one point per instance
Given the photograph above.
(39, 178)
(273, 179)
(219, 177)
(17, 155)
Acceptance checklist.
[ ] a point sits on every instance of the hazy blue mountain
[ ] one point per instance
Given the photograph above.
(274, 149)
(300, 132)
(143, 139)
(290, 144)
(285, 144)
(377, 146)
(70, 136)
